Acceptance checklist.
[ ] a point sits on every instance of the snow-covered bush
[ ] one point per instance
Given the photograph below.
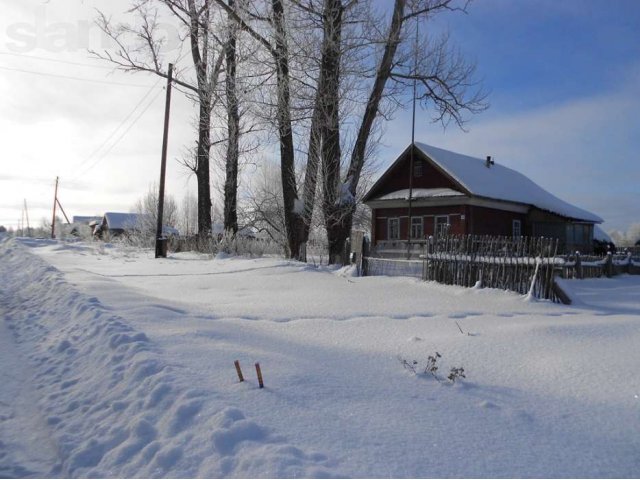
(229, 244)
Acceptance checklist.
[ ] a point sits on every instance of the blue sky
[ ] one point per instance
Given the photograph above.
(563, 77)
(564, 83)
(533, 53)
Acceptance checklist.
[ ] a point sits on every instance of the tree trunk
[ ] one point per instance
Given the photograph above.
(332, 198)
(202, 171)
(292, 205)
(233, 130)
(196, 34)
(339, 233)
(371, 111)
(311, 172)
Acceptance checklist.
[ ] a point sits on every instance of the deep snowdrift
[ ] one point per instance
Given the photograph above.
(127, 370)
(113, 405)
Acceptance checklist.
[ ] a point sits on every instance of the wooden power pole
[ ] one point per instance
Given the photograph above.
(26, 214)
(55, 203)
(161, 242)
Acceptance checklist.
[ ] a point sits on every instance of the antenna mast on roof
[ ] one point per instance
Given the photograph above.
(413, 137)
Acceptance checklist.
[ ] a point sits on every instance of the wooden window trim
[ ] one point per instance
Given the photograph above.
(389, 221)
(515, 222)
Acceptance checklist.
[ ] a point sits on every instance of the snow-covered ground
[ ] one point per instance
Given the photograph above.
(113, 363)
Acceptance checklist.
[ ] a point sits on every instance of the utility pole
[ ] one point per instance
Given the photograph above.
(413, 138)
(55, 203)
(26, 214)
(161, 242)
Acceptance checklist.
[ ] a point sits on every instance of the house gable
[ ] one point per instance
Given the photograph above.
(428, 175)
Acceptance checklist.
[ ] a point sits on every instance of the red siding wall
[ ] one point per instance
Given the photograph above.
(464, 219)
(455, 212)
(489, 221)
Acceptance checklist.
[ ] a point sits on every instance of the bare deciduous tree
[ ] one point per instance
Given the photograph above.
(188, 215)
(445, 81)
(142, 49)
(353, 55)
(147, 209)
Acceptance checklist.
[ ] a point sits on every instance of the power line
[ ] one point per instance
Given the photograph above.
(69, 77)
(113, 145)
(120, 125)
(46, 59)
(115, 130)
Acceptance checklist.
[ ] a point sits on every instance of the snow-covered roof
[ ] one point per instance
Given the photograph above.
(601, 235)
(501, 183)
(421, 193)
(85, 219)
(122, 221)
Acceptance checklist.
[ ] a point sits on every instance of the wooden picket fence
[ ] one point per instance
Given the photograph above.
(524, 265)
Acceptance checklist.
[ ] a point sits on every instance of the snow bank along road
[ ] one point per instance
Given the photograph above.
(117, 364)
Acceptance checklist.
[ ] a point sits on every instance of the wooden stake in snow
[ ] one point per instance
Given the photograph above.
(259, 375)
(237, 364)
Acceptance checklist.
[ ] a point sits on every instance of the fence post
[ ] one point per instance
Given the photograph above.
(366, 251)
(578, 266)
(425, 259)
(608, 265)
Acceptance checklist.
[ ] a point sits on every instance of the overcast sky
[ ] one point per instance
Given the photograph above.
(563, 76)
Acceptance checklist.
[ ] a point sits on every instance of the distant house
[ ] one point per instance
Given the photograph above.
(82, 226)
(85, 220)
(116, 224)
(459, 194)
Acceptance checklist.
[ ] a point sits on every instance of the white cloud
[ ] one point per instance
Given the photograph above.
(584, 150)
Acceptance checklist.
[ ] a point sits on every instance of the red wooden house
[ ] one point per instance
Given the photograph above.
(459, 194)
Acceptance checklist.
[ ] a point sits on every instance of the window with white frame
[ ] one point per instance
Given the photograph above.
(393, 229)
(516, 228)
(417, 227)
(441, 225)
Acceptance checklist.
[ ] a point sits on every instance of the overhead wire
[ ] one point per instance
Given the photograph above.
(70, 77)
(117, 141)
(115, 130)
(55, 60)
(110, 136)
